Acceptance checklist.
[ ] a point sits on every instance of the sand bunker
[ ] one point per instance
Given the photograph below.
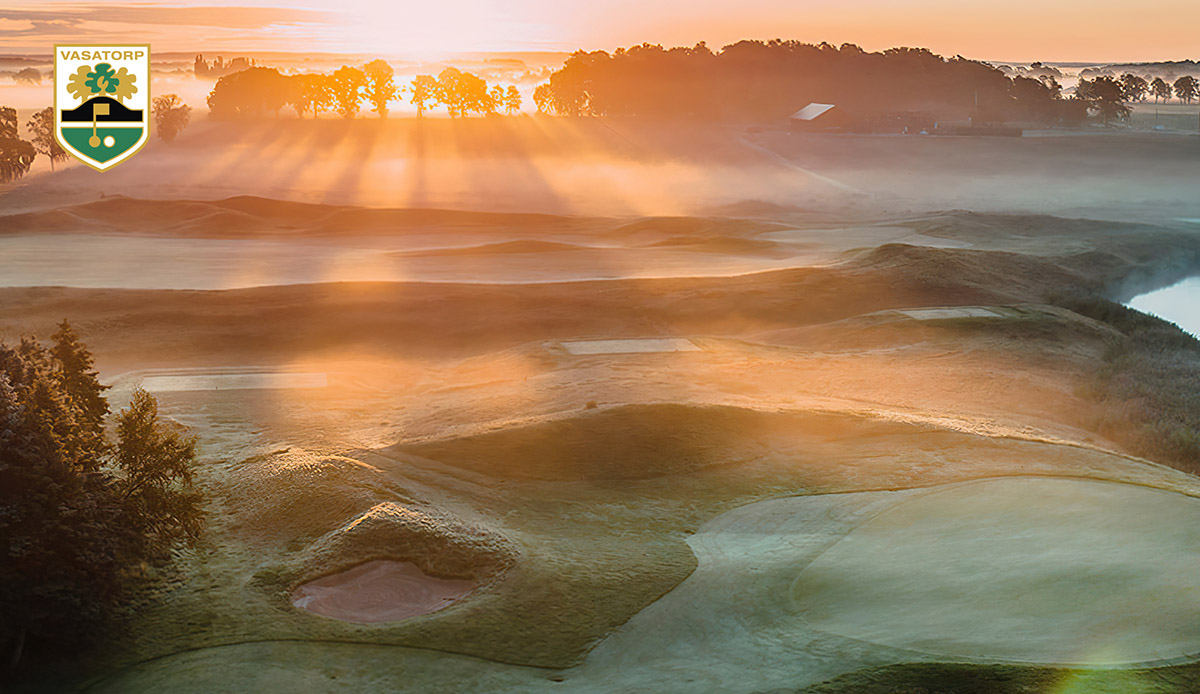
(638, 346)
(379, 591)
(1034, 570)
(242, 381)
(949, 313)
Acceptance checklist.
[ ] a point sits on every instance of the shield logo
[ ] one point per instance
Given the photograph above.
(102, 101)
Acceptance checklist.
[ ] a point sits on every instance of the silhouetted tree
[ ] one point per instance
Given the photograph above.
(495, 98)
(346, 84)
(41, 126)
(1133, 87)
(311, 92)
(251, 93)
(171, 116)
(423, 93)
(1160, 89)
(770, 80)
(16, 155)
(1186, 88)
(512, 100)
(1105, 96)
(381, 85)
(1053, 88)
(29, 75)
(543, 98)
(463, 92)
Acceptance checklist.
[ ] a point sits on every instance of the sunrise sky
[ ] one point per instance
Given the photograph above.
(1016, 30)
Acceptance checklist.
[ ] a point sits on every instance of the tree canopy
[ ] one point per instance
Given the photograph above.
(171, 116)
(380, 87)
(1105, 96)
(1186, 88)
(80, 516)
(756, 80)
(41, 125)
(16, 155)
(252, 92)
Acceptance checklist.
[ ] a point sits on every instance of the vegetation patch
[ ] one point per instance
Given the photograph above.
(1149, 384)
(962, 678)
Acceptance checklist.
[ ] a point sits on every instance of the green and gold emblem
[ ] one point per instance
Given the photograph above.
(102, 101)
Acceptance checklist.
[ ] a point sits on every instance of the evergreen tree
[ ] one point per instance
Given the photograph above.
(78, 517)
(78, 379)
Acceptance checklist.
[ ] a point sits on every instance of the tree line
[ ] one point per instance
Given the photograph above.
(82, 515)
(757, 80)
(259, 91)
(17, 155)
(1137, 88)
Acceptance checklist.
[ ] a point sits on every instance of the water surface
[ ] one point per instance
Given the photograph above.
(1179, 303)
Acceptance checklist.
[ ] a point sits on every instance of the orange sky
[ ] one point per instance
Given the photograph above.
(1018, 30)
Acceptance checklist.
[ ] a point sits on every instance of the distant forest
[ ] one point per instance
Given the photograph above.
(765, 81)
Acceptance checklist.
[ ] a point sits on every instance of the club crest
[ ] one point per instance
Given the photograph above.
(102, 101)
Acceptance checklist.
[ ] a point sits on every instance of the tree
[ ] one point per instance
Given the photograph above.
(156, 484)
(381, 85)
(79, 519)
(1104, 96)
(347, 84)
(311, 92)
(1133, 87)
(423, 93)
(1159, 88)
(495, 99)
(79, 382)
(1186, 88)
(44, 142)
(463, 92)
(512, 100)
(251, 93)
(171, 116)
(16, 155)
(29, 75)
(543, 97)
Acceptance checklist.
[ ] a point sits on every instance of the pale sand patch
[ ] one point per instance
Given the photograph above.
(637, 346)
(266, 381)
(1023, 569)
(934, 241)
(948, 313)
(379, 591)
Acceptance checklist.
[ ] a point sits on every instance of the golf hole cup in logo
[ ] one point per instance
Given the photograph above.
(102, 101)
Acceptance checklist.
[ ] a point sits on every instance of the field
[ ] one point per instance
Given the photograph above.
(646, 407)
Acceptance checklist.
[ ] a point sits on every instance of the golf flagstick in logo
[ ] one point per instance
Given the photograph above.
(102, 101)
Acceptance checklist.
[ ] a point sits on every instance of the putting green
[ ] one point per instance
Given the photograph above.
(1023, 569)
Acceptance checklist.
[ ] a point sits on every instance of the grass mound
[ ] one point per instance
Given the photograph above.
(438, 545)
(290, 495)
(628, 442)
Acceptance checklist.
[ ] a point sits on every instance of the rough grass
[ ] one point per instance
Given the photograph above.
(1149, 384)
(960, 678)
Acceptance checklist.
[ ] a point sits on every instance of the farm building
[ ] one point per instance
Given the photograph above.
(818, 118)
